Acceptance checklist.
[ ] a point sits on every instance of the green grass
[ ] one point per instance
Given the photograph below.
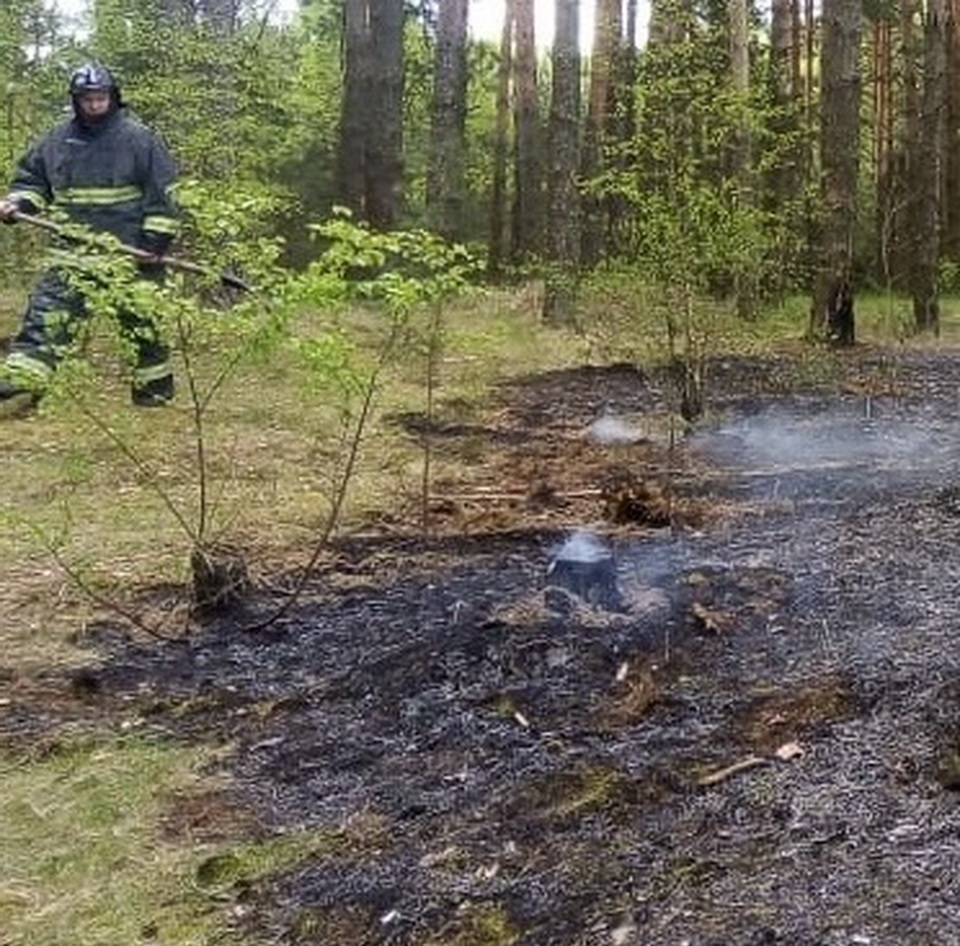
(82, 860)
(83, 856)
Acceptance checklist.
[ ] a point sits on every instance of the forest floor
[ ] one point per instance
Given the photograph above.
(734, 720)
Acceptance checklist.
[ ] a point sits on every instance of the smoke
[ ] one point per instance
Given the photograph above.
(585, 566)
(610, 429)
(811, 453)
(583, 547)
(781, 440)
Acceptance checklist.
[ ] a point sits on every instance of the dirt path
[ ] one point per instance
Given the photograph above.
(759, 743)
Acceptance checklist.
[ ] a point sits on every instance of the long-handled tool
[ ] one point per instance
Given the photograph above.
(174, 262)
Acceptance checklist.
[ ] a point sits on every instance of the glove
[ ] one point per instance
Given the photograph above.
(11, 205)
(154, 243)
(8, 208)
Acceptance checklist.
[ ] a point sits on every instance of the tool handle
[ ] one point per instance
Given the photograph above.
(174, 262)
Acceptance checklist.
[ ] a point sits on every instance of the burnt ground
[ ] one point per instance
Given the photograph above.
(749, 732)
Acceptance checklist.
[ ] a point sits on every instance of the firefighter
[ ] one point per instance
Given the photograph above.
(104, 169)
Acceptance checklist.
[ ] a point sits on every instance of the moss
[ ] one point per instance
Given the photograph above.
(485, 924)
(572, 794)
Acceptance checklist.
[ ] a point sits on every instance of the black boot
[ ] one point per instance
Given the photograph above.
(15, 401)
(155, 393)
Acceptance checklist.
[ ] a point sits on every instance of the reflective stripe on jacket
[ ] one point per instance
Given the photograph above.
(116, 176)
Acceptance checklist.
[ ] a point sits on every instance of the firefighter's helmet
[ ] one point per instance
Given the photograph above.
(93, 77)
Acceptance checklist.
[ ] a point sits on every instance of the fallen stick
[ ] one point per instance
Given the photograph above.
(720, 775)
(483, 495)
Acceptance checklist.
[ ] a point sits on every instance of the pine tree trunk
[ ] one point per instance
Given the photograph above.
(384, 170)
(783, 42)
(739, 48)
(906, 209)
(446, 187)
(621, 129)
(927, 176)
(883, 149)
(563, 224)
(527, 196)
(501, 147)
(951, 203)
(371, 121)
(745, 290)
(810, 68)
(832, 309)
(356, 82)
(796, 50)
(630, 72)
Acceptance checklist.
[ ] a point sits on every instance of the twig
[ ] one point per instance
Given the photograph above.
(433, 359)
(482, 495)
(826, 639)
(97, 597)
(750, 762)
(138, 464)
(197, 413)
(340, 493)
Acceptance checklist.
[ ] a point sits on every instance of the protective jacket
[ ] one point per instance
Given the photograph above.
(114, 176)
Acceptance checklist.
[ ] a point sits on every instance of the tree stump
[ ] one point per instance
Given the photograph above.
(840, 319)
(220, 579)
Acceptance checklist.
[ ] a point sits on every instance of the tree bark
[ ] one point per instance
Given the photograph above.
(527, 196)
(739, 46)
(563, 224)
(796, 51)
(951, 236)
(783, 42)
(927, 170)
(606, 46)
(832, 309)
(883, 148)
(446, 187)
(745, 291)
(371, 125)
(385, 106)
(498, 197)
(630, 58)
(356, 84)
(909, 53)
(810, 70)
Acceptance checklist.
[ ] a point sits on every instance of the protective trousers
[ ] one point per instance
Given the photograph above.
(50, 324)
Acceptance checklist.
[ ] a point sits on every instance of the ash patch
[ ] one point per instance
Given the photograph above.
(760, 746)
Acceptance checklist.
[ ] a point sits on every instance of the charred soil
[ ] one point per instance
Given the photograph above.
(756, 740)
